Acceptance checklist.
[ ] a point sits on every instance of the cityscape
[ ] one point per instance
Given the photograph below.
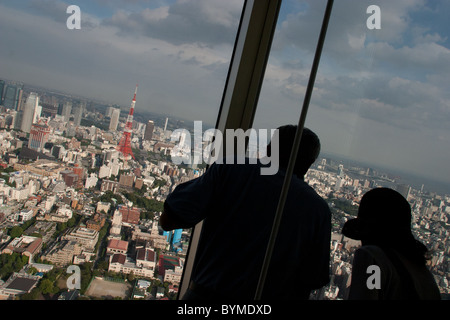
(83, 184)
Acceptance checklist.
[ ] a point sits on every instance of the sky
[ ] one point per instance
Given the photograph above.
(381, 95)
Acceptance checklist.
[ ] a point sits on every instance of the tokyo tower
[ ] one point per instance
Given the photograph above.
(124, 145)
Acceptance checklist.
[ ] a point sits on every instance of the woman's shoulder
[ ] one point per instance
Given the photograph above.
(375, 255)
(371, 250)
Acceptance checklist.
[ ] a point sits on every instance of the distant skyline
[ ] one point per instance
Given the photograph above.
(381, 96)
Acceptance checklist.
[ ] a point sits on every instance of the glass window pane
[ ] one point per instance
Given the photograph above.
(380, 107)
(93, 55)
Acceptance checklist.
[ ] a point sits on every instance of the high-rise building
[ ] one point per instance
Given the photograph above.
(109, 111)
(30, 108)
(341, 170)
(18, 119)
(60, 109)
(66, 110)
(11, 119)
(37, 113)
(339, 183)
(78, 114)
(115, 115)
(148, 134)
(404, 190)
(39, 135)
(12, 95)
(2, 88)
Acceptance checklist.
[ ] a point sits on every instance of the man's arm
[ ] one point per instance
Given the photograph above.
(168, 221)
(189, 203)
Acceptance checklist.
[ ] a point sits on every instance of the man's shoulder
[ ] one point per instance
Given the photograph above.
(301, 186)
(238, 165)
(233, 160)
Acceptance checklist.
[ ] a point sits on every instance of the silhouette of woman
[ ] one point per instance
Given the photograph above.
(398, 260)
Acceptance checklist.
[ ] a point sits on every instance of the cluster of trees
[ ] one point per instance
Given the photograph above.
(17, 231)
(150, 205)
(5, 174)
(102, 239)
(103, 125)
(63, 226)
(345, 205)
(110, 197)
(46, 286)
(159, 183)
(10, 263)
(54, 282)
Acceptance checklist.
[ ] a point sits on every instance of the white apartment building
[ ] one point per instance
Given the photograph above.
(91, 181)
(63, 254)
(103, 206)
(64, 211)
(121, 263)
(104, 172)
(174, 276)
(86, 237)
(146, 258)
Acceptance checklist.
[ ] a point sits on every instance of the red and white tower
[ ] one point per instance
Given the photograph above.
(124, 145)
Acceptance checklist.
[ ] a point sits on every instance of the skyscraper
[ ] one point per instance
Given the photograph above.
(31, 106)
(18, 119)
(39, 135)
(12, 96)
(37, 113)
(149, 130)
(66, 110)
(78, 114)
(109, 111)
(2, 88)
(341, 170)
(115, 115)
(404, 190)
(339, 183)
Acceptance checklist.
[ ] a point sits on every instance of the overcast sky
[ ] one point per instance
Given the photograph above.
(381, 96)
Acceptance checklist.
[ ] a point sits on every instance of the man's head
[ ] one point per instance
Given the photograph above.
(308, 152)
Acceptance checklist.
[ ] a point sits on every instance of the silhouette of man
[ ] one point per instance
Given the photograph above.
(238, 206)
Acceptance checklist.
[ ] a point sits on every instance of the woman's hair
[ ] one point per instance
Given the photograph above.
(409, 247)
(386, 216)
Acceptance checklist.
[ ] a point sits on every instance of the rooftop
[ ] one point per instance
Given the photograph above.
(118, 244)
(21, 283)
(118, 258)
(146, 254)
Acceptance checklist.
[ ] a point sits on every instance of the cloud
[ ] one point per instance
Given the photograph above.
(396, 76)
(207, 22)
(184, 79)
(425, 57)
